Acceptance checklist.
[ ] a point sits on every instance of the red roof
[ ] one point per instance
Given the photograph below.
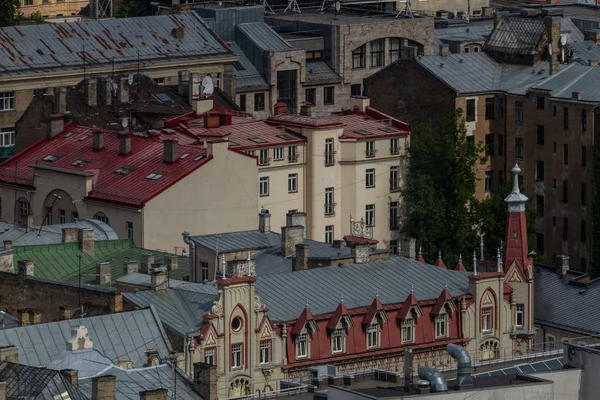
(375, 306)
(420, 258)
(133, 186)
(460, 267)
(305, 317)
(441, 300)
(340, 311)
(357, 240)
(411, 301)
(365, 127)
(439, 262)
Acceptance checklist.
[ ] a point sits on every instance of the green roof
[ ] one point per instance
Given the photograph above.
(61, 261)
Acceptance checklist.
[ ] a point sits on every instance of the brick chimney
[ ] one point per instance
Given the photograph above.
(360, 247)
(26, 268)
(70, 235)
(23, 317)
(178, 32)
(296, 219)
(171, 262)
(444, 50)
(71, 375)
(264, 221)
(211, 121)
(98, 140)
(7, 261)
(155, 394)
(130, 266)
(124, 143)
(306, 108)
(170, 150)
(103, 387)
(552, 24)
(290, 237)
(35, 317)
(158, 278)
(562, 264)
(56, 124)
(66, 312)
(123, 90)
(205, 380)
(302, 254)
(147, 261)
(103, 272)
(9, 354)
(91, 89)
(86, 240)
(339, 244)
(280, 108)
(107, 89)
(60, 100)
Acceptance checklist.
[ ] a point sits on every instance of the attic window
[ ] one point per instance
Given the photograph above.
(50, 158)
(154, 176)
(286, 137)
(186, 155)
(363, 132)
(69, 134)
(233, 144)
(163, 98)
(257, 140)
(238, 65)
(83, 137)
(79, 163)
(123, 170)
(388, 129)
(198, 158)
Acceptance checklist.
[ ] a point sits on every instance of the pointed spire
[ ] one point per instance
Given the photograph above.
(342, 299)
(420, 256)
(474, 263)
(516, 171)
(516, 200)
(481, 248)
(223, 267)
(446, 284)
(248, 261)
(412, 289)
(377, 294)
(439, 262)
(307, 304)
(439, 254)
(460, 266)
(499, 260)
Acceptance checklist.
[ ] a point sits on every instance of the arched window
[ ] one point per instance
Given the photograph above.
(100, 216)
(550, 342)
(377, 52)
(358, 57)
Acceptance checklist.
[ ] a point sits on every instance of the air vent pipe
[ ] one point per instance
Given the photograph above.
(435, 378)
(460, 354)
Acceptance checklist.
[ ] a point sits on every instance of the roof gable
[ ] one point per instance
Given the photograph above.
(444, 300)
(305, 320)
(409, 307)
(340, 312)
(375, 309)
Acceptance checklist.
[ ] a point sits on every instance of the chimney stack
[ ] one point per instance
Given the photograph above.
(60, 100)
(35, 317)
(170, 150)
(147, 261)
(205, 380)
(562, 264)
(552, 24)
(70, 235)
(306, 108)
(91, 87)
(203, 104)
(576, 96)
(9, 354)
(98, 140)
(290, 237)
(194, 87)
(86, 240)
(178, 32)
(71, 375)
(171, 262)
(280, 108)
(444, 50)
(124, 143)
(211, 121)
(56, 124)
(23, 317)
(26, 268)
(130, 266)
(296, 219)
(8, 244)
(107, 86)
(264, 221)
(103, 272)
(553, 68)
(103, 387)
(302, 254)
(158, 278)
(123, 90)
(155, 394)
(66, 312)
(7, 260)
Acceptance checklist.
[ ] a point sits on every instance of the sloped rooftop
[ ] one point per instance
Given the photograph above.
(574, 78)
(50, 234)
(516, 36)
(25, 382)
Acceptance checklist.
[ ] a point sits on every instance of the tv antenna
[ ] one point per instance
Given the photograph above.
(267, 7)
(406, 11)
(292, 6)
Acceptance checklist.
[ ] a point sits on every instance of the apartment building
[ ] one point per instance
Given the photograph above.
(52, 8)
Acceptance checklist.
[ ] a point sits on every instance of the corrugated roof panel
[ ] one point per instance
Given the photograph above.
(318, 72)
(264, 36)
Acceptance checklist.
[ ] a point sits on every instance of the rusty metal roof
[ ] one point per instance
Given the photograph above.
(45, 47)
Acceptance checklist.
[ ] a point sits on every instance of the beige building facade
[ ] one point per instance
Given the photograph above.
(52, 8)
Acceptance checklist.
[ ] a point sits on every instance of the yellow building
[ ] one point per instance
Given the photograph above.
(52, 8)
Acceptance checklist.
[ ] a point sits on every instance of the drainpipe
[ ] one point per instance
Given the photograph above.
(192, 247)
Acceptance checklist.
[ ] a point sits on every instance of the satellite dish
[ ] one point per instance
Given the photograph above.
(338, 6)
(124, 123)
(563, 39)
(130, 79)
(207, 85)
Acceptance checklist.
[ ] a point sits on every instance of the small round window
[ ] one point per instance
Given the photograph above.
(236, 324)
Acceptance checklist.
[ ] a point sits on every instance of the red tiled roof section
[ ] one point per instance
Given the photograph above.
(130, 187)
(366, 127)
(357, 240)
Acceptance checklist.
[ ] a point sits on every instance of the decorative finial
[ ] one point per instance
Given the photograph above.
(474, 263)
(248, 272)
(481, 247)
(377, 294)
(307, 303)
(516, 171)
(342, 299)
(224, 266)
(420, 250)
(460, 258)
(440, 254)
(446, 284)
(499, 260)
(412, 289)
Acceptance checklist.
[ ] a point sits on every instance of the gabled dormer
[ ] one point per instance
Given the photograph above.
(373, 321)
(303, 332)
(340, 319)
(441, 313)
(407, 318)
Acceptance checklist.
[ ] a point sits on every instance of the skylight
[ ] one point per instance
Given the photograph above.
(123, 170)
(286, 137)
(363, 132)
(238, 65)
(186, 155)
(233, 144)
(154, 176)
(198, 158)
(163, 98)
(69, 134)
(388, 129)
(50, 158)
(83, 137)
(79, 163)
(257, 140)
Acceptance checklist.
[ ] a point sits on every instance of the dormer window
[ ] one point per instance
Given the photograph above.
(302, 344)
(373, 331)
(441, 325)
(338, 341)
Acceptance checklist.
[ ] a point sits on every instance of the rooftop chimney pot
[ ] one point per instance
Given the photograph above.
(91, 87)
(264, 221)
(103, 387)
(170, 150)
(98, 142)
(124, 144)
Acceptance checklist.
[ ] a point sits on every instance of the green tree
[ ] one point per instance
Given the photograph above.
(9, 12)
(36, 17)
(442, 211)
(133, 8)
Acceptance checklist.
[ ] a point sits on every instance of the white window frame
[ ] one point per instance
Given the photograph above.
(394, 178)
(209, 356)
(7, 137)
(520, 314)
(265, 352)
(278, 153)
(370, 178)
(394, 215)
(329, 152)
(237, 361)
(370, 148)
(203, 270)
(263, 186)
(373, 331)
(550, 342)
(441, 325)
(408, 330)
(487, 320)
(394, 146)
(338, 341)
(329, 201)
(370, 214)
(292, 153)
(329, 231)
(62, 216)
(102, 218)
(263, 158)
(292, 183)
(7, 101)
(302, 344)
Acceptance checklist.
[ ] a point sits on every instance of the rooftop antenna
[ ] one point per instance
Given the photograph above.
(267, 7)
(292, 6)
(406, 11)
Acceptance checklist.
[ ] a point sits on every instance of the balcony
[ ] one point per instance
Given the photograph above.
(395, 150)
(329, 158)
(330, 209)
(394, 185)
(264, 161)
(293, 158)
(370, 153)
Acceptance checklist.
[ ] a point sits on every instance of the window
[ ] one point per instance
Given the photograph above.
(395, 48)
(237, 324)
(539, 243)
(408, 327)
(489, 144)
(263, 158)
(377, 52)
(302, 346)
(372, 336)
(259, 101)
(264, 186)
(519, 112)
(500, 178)
(102, 218)
(539, 205)
(62, 216)
(355, 90)
(489, 181)
(236, 356)
(337, 341)
(329, 153)
(209, 356)
(329, 234)
(278, 153)
(370, 214)
(74, 215)
(48, 215)
(310, 96)
(7, 137)
(129, 230)
(500, 145)
(583, 120)
(292, 183)
(583, 194)
(7, 101)
(203, 270)
(370, 148)
(314, 55)
(565, 191)
(441, 322)
(394, 179)
(520, 316)
(28, 2)
(243, 102)
(394, 219)
(540, 134)
(583, 157)
(489, 108)
(540, 102)
(583, 231)
(565, 154)
(550, 341)
(292, 154)
(539, 171)
(329, 204)
(566, 117)
(370, 178)
(265, 352)
(328, 95)
(358, 57)
(24, 209)
(486, 320)
(470, 110)
(565, 228)
(519, 148)
(394, 148)
(394, 246)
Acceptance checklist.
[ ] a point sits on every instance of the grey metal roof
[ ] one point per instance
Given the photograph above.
(139, 279)
(516, 35)
(25, 382)
(585, 51)
(122, 336)
(564, 305)
(235, 241)
(473, 33)
(286, 294)
(7, 321)
(318, 72)
(32, 48)
(568, 26)
(51, 234)
(479, 73)
(554, 364)
(87, 362)
(574, 78)
(247, 78)
(264, 37)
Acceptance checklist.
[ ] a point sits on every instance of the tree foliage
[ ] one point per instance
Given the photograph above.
(36, 17)
(442, 211)
(133, 8)
(9, 12)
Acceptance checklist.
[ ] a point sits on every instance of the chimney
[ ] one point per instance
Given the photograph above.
(158, 278)
(339, 244)
(280, 108)
(9, 354)
(86, 240)
(360, 252)
(562, 264)
(205, 380)
(35, 317)
(553, 68)
(26, 268)
(103, 387)
(66, 312)
(7, 260)
(70, 235)
(225, 118)
(306, 108)
(302, 254)
(170, 150)
(178, 32)
(155, 394)
(108, 92)
(2, 390)
(123, 90)
(202, 104)
(23, 317)
(552, 24)
(194, 87)
(576, 96)
(130, 266)
(71, 376)
(91, 89)
(444, 50)
(103, 273)
(264, 221)
(171, 262)
(593, 35)
(60, 100)
(98, 140)
(8, 244)
(184, 82)
(362, 102)
(211, 121)
(147, 261)
(290, 237)
(56, 124)
(593, 63)
(296, 219)
(124, 143)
